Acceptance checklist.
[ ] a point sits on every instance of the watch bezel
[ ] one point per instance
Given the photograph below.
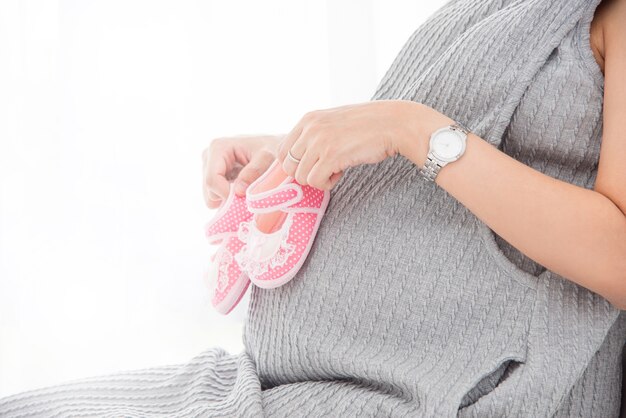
(462, 137)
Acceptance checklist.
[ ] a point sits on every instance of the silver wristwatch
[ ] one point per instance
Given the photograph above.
(447, 144)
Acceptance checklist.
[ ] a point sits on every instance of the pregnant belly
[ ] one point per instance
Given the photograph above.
(398, 292)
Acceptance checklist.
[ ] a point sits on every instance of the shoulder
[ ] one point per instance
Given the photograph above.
(612, 15)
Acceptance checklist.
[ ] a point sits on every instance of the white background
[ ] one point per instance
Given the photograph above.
(105, 108)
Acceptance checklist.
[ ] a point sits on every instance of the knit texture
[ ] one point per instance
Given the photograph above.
(409, 305)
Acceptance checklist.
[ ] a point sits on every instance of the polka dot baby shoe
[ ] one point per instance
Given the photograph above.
(278, 238)
(229, 215)
(226, 281)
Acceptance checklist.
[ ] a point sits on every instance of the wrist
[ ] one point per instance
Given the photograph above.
(421, 122)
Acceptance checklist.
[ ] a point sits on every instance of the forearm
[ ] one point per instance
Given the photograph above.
(575, 232)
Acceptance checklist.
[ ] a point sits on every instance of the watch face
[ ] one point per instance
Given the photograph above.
(447, 144)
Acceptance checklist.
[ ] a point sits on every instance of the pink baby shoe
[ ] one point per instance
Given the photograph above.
(279, 236)
(225, 280)
(232, 212)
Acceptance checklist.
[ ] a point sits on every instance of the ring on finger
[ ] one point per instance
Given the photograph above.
(292, 158)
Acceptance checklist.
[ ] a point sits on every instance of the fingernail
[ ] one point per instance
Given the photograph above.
(240, 187)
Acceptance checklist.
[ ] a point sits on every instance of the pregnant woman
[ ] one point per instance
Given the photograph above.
(489, 286)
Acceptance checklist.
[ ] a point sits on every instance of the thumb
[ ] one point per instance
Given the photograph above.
(259, 163)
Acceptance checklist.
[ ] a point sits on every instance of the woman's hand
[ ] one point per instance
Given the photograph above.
(242, 158)
(331, 140)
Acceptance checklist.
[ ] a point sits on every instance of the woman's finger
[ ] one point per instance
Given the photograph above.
(334, 179)
(307, 161)
(260, 162)
(298, 150)
(288, 140)
(215, 170)
(211, 202)
(321, 175)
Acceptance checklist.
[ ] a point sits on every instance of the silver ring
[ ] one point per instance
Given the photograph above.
(292, 158)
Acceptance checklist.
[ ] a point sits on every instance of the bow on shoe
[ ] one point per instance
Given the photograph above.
(257, 256)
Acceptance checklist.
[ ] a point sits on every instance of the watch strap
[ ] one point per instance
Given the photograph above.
(430, 170)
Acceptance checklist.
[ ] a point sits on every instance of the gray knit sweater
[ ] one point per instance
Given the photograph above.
(409, 305)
